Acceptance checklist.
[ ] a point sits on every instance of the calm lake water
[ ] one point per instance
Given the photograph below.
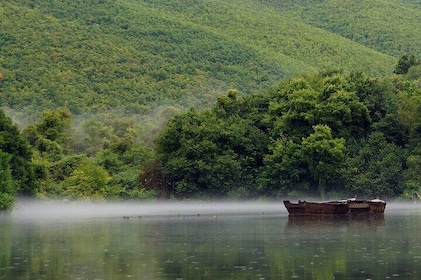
(205, 241)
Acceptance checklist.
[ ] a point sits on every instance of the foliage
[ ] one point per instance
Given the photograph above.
(6, 184)
(96, 81)
(284, 169)
(327, 98)
(381, 25)
(376, 169)
(16, 169)
(88, 181)
(50, 135)
(124, 161)
(213, 153)
(412, 175)
(16, 158)
(152, 177)
(404, 63)
(323, 155)
(414, 73)
(6, 201)
(105, 166)
(328, 133)
(131, 56)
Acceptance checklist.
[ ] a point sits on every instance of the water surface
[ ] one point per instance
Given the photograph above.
(205, 241)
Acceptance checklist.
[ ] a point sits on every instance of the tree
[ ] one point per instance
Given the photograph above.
(409, 114)
(412, 175)
(54, 125)
(191, 158)
(123, 160)
(293, 110)
(211, 153)
(6, 185)
(387, 102)
(414, 74)
(340, 108)
(327, 98)
(404, 63)
(284, 169)
(19, 153)
(50, 136)
(88, 181)
(152, 178)
(324, 155)
(376, 169)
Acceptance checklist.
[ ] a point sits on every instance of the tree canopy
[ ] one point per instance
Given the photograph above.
(326, 134)
(16, 168)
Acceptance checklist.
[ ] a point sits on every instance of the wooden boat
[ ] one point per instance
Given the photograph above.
(336, 207)
(374, 206)
(317, 208)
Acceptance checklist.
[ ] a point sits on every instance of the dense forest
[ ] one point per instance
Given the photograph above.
(136, 57)
(204, 99)
(326, 134)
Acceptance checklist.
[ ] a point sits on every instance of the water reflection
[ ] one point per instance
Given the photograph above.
(360, 223)
(259, 242)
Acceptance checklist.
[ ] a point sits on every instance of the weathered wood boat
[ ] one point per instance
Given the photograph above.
(336, 207)
(374, 206)
(317, 208)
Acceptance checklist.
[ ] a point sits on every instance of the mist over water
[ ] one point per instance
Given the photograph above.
(33, 210)
(62, 210)
(396, 207)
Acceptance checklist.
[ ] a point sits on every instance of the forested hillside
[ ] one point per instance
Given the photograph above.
(391, 27)
(264, 99)
(133, 56)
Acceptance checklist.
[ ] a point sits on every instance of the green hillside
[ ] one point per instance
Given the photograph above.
(391, 27)
(133, 56)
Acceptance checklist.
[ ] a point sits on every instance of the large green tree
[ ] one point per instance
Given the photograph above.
(324, 156)
(284, 171)
(327, 98)
(212, 153)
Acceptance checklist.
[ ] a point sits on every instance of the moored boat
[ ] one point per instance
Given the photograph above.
(336, 207)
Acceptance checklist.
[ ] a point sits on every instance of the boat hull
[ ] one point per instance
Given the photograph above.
(339, 207)
(366, 206)
(316, 208)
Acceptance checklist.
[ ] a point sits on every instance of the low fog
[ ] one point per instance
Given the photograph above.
(68, 210)
(63, 210)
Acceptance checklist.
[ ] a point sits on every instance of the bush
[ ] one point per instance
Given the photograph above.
(6, 201)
